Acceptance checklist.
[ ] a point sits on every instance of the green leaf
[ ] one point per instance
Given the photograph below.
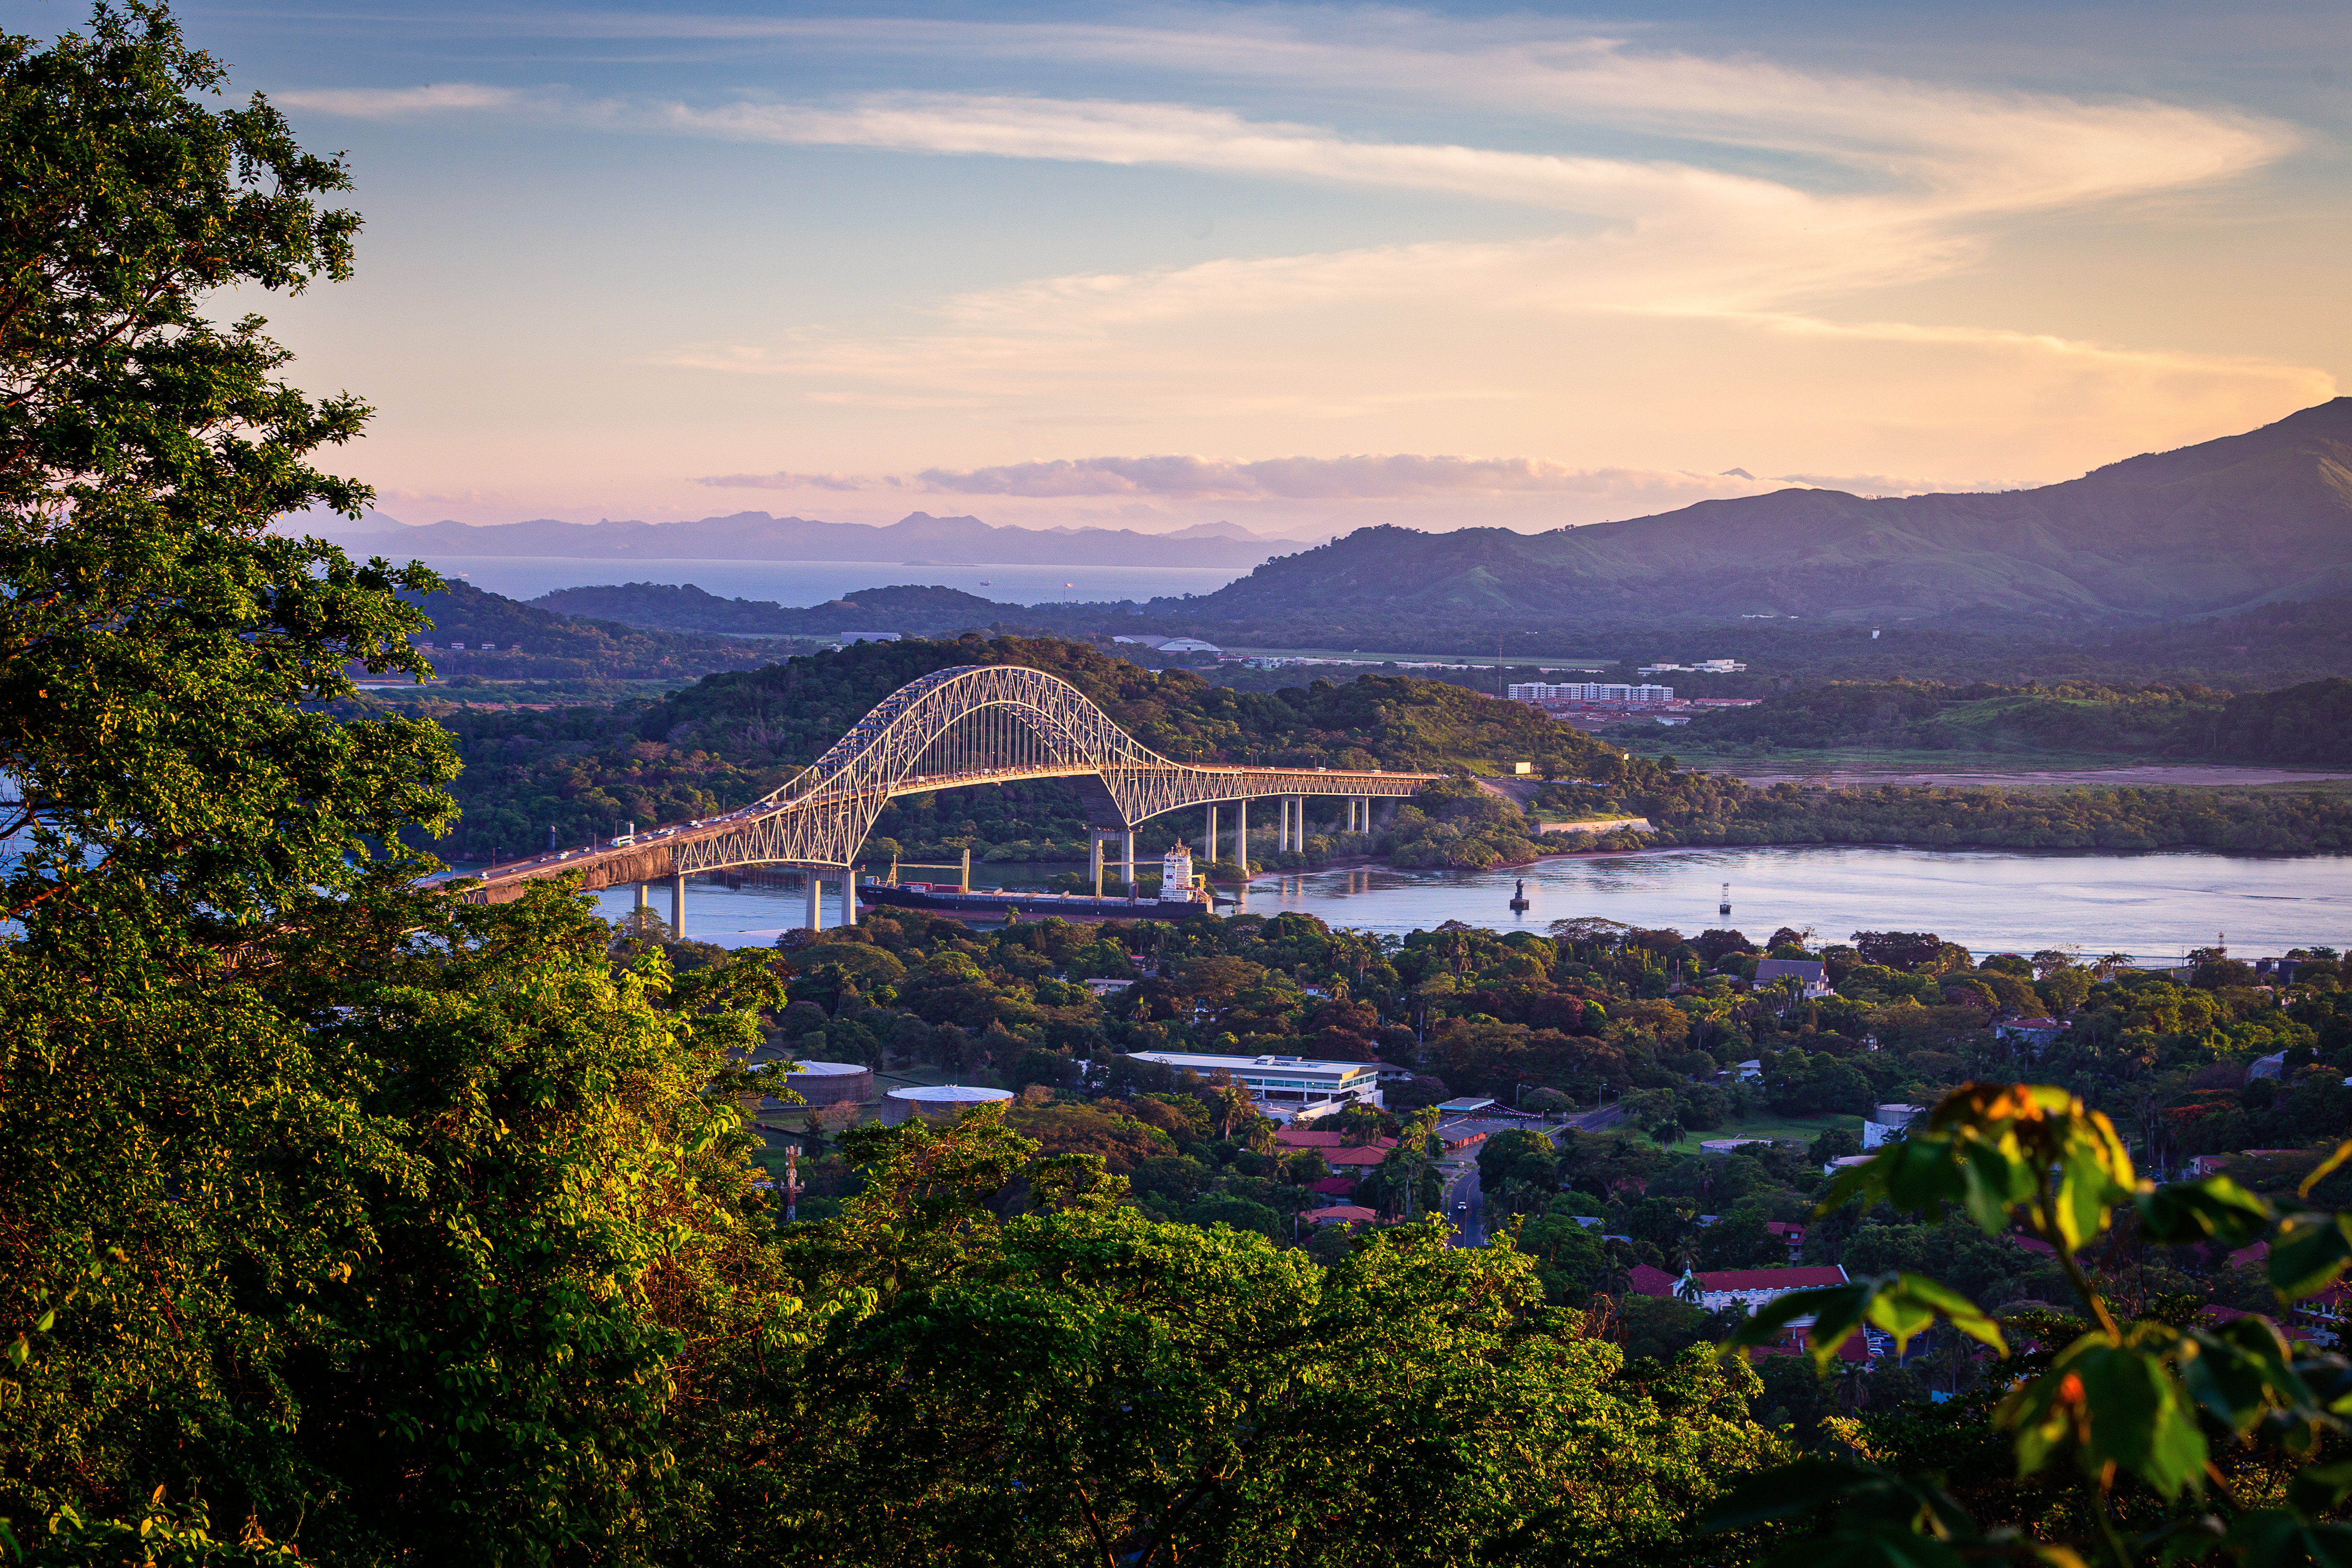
(2214, 1209)
(1902, 1304)
(2325, 1168)
(2321, 1488)
(2309, 1251)
(2241, 1370)
(2111, 1404)
(2273, 1538)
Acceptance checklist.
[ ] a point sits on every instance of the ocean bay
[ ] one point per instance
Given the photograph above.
(2155, 905)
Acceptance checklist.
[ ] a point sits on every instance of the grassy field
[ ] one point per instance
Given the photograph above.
(1794, 1128)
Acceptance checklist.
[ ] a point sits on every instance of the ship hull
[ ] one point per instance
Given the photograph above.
(1000, 905)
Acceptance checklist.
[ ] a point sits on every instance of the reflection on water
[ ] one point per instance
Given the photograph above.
(2153, 906)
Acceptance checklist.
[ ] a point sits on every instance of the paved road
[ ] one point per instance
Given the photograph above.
(1469, 1226)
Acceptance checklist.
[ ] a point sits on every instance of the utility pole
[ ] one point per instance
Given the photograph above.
(792, 1183)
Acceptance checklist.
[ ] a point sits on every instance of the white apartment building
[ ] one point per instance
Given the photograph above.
(1588, 692)
(1290, 1083)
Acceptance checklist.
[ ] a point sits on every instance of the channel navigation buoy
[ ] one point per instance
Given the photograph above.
(1724, 908)
(1519, 896)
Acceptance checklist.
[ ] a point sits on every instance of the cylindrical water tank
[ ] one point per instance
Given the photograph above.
(942, 1102)
(831, 1083)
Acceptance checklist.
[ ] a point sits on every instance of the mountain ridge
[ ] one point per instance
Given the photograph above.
(2202, 530)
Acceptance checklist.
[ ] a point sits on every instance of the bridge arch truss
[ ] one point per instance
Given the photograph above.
(972, 724)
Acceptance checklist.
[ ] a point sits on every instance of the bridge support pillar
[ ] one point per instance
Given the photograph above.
(850, 897)
(815, 901)
(1208, 839)
(1241, 834)
(677, 906)
(644, 899)
(1094, 854)
(1127, 855)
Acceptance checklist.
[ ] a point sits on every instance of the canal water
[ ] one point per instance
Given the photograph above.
(2155, 906)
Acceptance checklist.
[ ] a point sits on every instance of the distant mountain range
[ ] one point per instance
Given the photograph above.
(917, 540)
(906, 608)
(2218, 526)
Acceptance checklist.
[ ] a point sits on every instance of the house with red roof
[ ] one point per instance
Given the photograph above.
(1295, 1137)
(1648, 1281)
(1796, 1337)
(1748, 1289)
(1342, 1214)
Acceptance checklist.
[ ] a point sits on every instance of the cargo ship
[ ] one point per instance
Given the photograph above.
(1182, 893)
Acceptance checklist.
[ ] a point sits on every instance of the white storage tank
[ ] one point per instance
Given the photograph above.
(831, 1083)
(941, 1102)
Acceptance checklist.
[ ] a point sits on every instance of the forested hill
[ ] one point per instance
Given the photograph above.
(540, 645)
(732, 737)
(2207, 528)
(908, 607)
(2305, 725)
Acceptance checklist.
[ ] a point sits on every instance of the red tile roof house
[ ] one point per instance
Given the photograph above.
(1342, 1214)
(1794, 1235)
(1353, 1160)
(1333, 1186)
(1797, 1337)
(1322, 1138)
(1752, 1288)
(1648, 1281)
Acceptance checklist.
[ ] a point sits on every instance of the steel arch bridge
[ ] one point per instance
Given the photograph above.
(973, 724)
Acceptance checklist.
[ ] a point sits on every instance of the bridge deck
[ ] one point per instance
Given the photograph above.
(667, 852)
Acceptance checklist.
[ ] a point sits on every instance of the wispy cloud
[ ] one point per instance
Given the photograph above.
(782, 482)
(407, 102)
(1387, 477)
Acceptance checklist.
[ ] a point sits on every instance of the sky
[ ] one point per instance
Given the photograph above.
(1300, 269)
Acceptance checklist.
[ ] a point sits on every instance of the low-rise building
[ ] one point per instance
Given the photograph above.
(1283, 1085)
(1887, 1123)
(1748, 1289)
(2036, 1032)
(1809, 974)
(1726, 1145)
(1587, 691)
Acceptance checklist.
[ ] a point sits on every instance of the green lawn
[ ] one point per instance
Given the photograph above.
(1795, 1128)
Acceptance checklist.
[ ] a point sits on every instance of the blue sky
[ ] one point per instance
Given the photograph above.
(1301, 268)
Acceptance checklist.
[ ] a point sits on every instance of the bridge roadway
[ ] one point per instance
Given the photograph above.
(984, 724)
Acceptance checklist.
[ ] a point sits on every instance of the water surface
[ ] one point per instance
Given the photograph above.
(2154, 905)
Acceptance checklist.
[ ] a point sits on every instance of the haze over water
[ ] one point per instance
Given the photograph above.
(2155, 906)
(799, 584)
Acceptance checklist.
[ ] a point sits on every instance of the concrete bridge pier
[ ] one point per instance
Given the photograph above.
(677, 906)
(1128, 854)
(1208, 839)
(1241, 834)
(815, 901)
(645, 900)
(850, 897)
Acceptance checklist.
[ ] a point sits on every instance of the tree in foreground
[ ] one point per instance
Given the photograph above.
(330, 1210)
(2186, 1440)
